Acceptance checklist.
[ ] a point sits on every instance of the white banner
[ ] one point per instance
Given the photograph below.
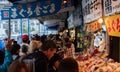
(92, 10)
(111, 7)
(70, 21)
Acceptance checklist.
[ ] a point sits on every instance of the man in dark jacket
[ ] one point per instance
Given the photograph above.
(43, 56)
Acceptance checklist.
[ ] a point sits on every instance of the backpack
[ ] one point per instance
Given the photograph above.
(30, 64)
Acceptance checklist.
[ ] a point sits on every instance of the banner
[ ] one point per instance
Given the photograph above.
(92, 10)
(111, 7)
(113, 25)
(92, 27)
(39, 8)
(5, 14)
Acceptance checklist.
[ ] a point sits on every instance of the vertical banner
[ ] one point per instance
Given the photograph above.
(111, 7)
(92, 10)
(113, 25)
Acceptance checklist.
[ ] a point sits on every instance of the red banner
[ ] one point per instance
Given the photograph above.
(94, 26)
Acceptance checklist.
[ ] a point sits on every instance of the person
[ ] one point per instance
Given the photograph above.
(25, 41)
(15, 49)
(43, 55)
(18, 66)
(8, 57)
(68, 65)
(69, 48)
(24, 50)
(54, 63)
(2, 55)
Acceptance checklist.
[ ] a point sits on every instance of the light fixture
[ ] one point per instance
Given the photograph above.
(65, 1)
(65, 30)
(100, 20)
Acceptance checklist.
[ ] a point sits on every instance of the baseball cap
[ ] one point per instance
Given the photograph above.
(25, 37)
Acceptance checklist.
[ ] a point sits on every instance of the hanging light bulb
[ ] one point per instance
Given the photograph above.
(100, 20)
(65, 1)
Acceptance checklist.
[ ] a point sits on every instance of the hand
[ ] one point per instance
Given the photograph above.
(8, 43)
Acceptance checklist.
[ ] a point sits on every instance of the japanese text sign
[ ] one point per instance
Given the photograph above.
(39, 8)
(113, 25)
(5, 13)
(94, 26)
(92, 10)
(111, 7)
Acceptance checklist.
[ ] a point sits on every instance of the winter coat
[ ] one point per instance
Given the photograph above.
(7, 61)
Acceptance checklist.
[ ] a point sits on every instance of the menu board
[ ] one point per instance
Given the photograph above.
(113, 25)
(111, 7)
(92, 10)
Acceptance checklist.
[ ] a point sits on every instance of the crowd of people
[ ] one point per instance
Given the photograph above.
(49, 54)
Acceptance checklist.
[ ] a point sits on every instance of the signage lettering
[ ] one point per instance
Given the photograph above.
(92, 10)
(113, 25)
(111, 7)
(36, 9)
(94, 26)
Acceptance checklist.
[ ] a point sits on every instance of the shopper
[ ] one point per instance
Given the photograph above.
(68, 65)
(18, 66)
(25, 41)
(8, 57)
(15, 49)
(43, 55)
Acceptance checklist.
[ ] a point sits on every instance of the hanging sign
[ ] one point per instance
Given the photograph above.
(70, 21)
(111, 7)
(94, 26)
(39, 8)
(5, 13)
(113, 25)
(92, 10)
(77, 16)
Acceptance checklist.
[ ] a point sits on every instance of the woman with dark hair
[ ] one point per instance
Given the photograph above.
(15, 49)
(18, 66)
(68, 65)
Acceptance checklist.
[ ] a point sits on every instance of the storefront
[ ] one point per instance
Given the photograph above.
(75, 23)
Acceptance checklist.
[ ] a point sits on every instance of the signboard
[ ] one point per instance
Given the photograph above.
(70, 21)
(111, 7)
(94, 26)
(77, 16)
(92, 10)
(113, 25)
(5, 14)
(35, 9)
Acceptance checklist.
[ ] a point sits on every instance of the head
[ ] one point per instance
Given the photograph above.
(24, 48)
(67, 39)
(18, 66)
(68, 65)
(35, 37)
(15, 49)
(49, 48)
(25, 39)
(34, 45)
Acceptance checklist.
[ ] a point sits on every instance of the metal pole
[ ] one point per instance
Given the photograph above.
(9, 29)
(21, 27)
(28, 28)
